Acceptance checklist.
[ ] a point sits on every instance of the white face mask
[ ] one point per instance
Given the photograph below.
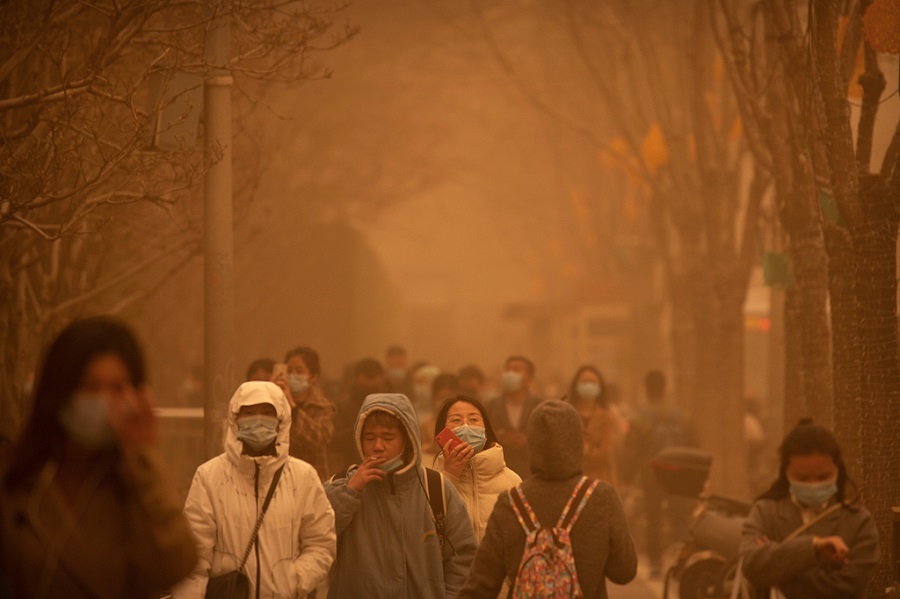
(510, 381)
(257, 431)
(86, 420)
(298, 382)
(588, 390)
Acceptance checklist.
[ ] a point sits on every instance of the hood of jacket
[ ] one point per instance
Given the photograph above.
(555, 441)
(399, 406)
(252, 393)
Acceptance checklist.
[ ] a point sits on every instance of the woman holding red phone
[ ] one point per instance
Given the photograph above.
(471, 458)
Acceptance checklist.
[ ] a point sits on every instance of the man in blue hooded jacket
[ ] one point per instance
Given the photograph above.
(388, 544)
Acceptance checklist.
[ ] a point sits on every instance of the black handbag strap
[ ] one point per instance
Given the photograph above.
(262, 514)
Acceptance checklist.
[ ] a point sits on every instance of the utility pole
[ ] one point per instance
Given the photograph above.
(218, 234)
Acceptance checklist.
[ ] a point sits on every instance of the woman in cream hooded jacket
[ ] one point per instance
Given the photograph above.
(296, 544)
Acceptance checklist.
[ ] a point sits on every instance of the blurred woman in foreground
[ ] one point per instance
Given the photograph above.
(807, 536)
(476, 467)
(85, 510)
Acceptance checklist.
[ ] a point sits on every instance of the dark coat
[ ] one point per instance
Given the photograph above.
(793, 566)
(516, 459)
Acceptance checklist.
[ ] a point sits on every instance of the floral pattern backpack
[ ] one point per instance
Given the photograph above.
(547, 568)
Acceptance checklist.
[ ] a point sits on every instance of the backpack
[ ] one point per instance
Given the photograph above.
(547, 568)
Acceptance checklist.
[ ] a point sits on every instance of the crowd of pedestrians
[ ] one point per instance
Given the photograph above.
(410, 483)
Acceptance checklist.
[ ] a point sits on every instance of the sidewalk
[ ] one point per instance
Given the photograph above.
(639, 588)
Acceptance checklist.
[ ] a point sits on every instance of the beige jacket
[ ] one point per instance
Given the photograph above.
(479, 484)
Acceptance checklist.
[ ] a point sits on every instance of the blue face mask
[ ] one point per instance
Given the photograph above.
(814, 494)
(473, 435)
(510, 381)
(392, 464)
(297, 382)
(257, 431)
(588, 390)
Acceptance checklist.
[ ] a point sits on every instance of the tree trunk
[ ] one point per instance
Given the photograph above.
(845, 345)
(810, 268)
(728, 405)
(794, 398)
(875, 244)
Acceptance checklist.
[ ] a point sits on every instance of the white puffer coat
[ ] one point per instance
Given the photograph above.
(480, 482)
(297, 541)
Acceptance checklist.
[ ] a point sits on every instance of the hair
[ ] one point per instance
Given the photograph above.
(655, 384)
(59, 377)
(310, 358)
(471, 371)
(807, 439)
(395, 350)
(529, 365)
(262, 363)
(445, 380)
(573, 386)
(441, 421)
(368, 367)
(381, 417)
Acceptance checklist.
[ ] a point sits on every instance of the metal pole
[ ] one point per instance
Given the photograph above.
(218, 247)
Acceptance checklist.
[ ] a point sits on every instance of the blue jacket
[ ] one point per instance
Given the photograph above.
(387, 543)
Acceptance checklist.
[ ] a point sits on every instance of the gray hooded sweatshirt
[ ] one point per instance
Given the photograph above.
(601, 541)
(387, 543)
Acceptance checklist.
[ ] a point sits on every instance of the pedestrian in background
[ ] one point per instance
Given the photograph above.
(312, 414)
(510, 411)
(587, 393)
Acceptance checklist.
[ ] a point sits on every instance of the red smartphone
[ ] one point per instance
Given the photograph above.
(447, 435)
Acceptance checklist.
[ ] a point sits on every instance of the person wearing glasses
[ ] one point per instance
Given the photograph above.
(476, 467)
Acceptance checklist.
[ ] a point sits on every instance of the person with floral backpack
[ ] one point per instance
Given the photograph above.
(559, 533)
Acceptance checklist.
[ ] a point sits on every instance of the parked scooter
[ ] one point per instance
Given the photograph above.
(704, 568)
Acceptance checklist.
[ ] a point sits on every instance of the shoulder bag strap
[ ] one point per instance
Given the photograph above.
(739, 587)
(435, 491)
(262, 515)
(831, 509)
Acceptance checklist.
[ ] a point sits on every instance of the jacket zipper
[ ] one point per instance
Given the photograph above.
(256, 543)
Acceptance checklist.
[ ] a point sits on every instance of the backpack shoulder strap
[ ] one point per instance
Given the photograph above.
(521, 507)
(434, 489)
(579, 498)
(343, 473)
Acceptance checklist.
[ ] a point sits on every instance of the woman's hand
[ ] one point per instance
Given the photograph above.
(132, 419)
(456, 459)
(282, 382)
(832, 548)
(366, 473)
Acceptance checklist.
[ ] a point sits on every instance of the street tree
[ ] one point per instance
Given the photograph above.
(100, 166)
(794, 67)
(666, 119)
